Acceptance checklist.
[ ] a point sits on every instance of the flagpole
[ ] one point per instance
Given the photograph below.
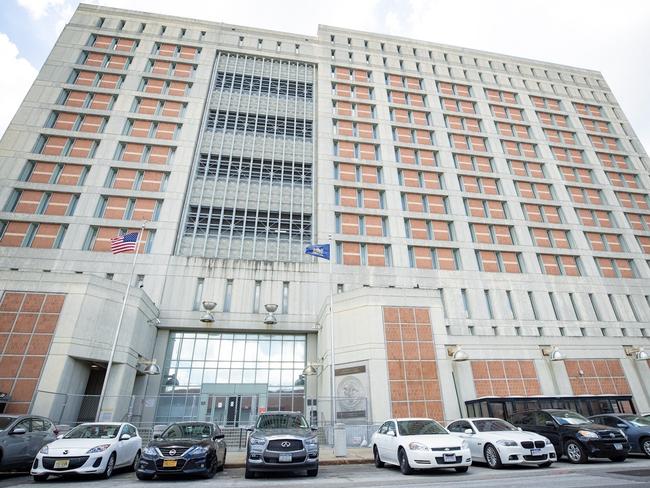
(119, 326)
(332, 354)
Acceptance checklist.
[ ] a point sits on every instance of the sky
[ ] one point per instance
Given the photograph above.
(611, 37)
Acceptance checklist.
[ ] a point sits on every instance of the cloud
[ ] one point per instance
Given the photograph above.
(18, 77)
(40, 8)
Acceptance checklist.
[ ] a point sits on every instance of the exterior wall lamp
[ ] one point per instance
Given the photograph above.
(207, 317)
(270, 319)
(456, 353)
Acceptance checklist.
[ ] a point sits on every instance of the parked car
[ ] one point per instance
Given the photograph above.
(573, 435)
(184, 448)
(281, 441)
(91, 448)
(21, 437)
(497, 442)
(635, 427)
(419, 443)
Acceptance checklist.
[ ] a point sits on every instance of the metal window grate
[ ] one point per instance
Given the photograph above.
(251, 194)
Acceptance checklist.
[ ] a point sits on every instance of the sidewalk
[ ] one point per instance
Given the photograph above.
(358, 455)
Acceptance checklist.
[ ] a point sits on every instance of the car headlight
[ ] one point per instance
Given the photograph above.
(100, 448)
(622, 433)
(198, 451)
(506, 443)
(311, 441)
(465, 445)
(150, 451)
(588, 434)
(416, 446)
(257, 441)
(44, 449)
(547, 442)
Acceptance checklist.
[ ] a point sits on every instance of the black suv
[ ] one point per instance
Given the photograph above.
(573, 435)
(184, 448)
(281, 441)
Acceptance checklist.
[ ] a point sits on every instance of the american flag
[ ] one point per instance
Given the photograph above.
(124, 243)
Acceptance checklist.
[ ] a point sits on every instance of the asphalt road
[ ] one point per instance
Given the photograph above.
(635, 472)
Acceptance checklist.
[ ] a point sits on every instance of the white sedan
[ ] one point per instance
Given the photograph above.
(417, 443)
(497, 442)
(92, 448)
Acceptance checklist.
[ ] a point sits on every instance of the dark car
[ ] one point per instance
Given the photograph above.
(281, 441)
(21, 437)
(184, 448)
(573, 435)
(635, 427)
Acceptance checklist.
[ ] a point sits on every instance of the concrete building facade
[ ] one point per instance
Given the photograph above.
(480, 207)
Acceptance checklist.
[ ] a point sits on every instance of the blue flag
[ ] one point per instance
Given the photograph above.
(319, 250)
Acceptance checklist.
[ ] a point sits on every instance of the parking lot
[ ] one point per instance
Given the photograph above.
(635, 472)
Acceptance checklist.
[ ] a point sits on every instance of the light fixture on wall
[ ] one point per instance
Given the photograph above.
(637, 353)
(553, 353)
(456, 353)
(148, 367)
(312, 369)
(270, 319)
(207, 317)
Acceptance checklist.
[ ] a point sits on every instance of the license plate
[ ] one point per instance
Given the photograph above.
(169, 463)
(61, 463)
(535, 452)
(618, 446)
(449, 458)
(284, 458)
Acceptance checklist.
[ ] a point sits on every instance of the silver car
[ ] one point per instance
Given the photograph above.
(282, 441)
(21, 437)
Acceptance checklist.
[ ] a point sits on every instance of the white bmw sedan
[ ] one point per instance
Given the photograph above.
(497, 442)
(417, 443)
(93, 448)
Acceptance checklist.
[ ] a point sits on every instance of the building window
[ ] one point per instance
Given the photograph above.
(198, 294)
(488, 302)
(257, 296)
(285, 297)
(511, 306)
(463, 294)
(574, 305)
(533, 306)
(554, 305)
(612, 302)
(227, 296)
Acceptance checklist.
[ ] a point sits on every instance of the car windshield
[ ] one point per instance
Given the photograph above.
(637, 420)
(93, 431)
(187, 431)
(6, 422)
(493, 425)
(282, 421)
(420, 427)
(567, 417)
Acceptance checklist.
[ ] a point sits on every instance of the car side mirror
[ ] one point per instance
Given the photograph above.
(249, 429)
(125, 437)
(469, 431)
(156, 436)
(622, 426)
(314, 428)
(520, 429)
(60, 436)
(219, 436)
(392, 433)
(18, 431)
(549, 423)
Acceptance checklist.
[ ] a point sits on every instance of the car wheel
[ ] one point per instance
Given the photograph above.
(136, 461)
(492, 457)
(462, 469)
(143, 477)
(404, 465)
(546, 464)
(645, 446)
(618, 459)
(312, 472)
(223, 462)
(248, 474)
(575, 452)
(375, 454)
(40, 477)
(212, 470)
(110, 466)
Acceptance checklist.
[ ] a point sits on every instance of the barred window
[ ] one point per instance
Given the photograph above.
(263, 84)
(224, 166)
(260, 123)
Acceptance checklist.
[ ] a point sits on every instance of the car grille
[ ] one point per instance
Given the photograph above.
(608, 434)
(539, 457)
(289, 445)
(179, 465)
(440, 460)
(179, 451)
(73, 462)
(294, 459)
(531, 444)
(454, 448)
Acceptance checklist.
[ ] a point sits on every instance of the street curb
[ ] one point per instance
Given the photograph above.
(324, 462)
